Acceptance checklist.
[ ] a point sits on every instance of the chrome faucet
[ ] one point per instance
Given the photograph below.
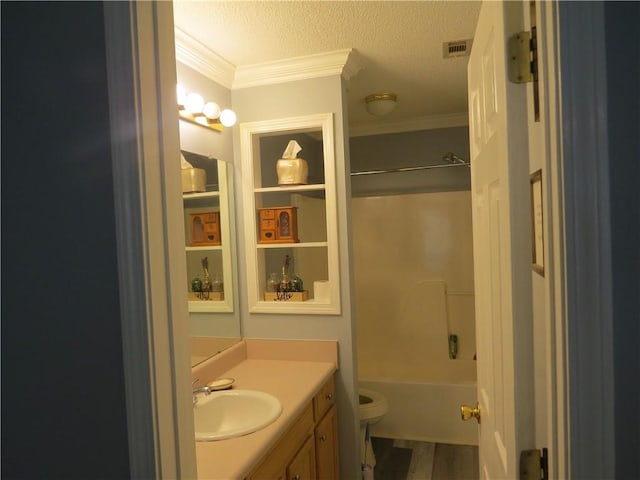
(195, 391)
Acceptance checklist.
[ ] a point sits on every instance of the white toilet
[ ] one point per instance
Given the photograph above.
(373, 406)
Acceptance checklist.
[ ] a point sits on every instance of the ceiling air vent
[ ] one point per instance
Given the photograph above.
(458, 48)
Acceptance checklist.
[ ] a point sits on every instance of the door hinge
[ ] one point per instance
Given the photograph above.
(523, 57)
(534, 464)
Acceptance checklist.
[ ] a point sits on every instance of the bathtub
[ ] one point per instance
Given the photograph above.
(428, 412)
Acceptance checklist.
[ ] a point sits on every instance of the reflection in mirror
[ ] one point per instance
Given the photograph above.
(210, 244)
(214, 322)
(207, 249)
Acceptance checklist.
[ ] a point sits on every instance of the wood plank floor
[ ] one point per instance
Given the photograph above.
(455, 462)
(412, 460)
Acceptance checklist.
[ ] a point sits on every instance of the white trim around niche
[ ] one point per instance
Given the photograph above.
(249, 132)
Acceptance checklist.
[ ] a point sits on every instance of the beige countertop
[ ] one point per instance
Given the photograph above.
(294, 382)
(203, 348)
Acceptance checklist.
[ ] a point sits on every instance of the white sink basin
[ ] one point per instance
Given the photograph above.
(232, 413)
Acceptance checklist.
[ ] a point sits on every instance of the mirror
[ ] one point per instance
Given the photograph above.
(210, 246)
(207, 233)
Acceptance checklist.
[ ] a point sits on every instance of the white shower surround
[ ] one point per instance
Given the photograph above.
(414, 286)
(428, 412)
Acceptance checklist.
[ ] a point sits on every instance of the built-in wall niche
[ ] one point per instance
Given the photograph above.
(209, 242)
(305, 249)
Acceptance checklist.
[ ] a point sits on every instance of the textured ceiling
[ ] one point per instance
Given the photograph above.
(399, 45)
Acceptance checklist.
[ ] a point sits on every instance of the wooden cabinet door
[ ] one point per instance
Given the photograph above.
(326, 436)
(303, 465)
(324, 399)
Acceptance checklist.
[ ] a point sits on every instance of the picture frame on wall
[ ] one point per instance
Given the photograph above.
(537, 223)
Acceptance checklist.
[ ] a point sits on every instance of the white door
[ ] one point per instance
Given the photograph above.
(502, 245)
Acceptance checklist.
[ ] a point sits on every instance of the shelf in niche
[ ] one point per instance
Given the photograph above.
(195, 196)
(203, 248)
(292, 245)
(292, 188)
(201, 200)
(310, 306)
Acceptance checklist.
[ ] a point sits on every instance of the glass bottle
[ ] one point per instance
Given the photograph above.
(296, 283)
(196, 284)
(272, 283)
(285, 283)
(216, 284)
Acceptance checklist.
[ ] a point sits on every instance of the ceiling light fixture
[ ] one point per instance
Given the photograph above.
(193, 108)
(380, 104)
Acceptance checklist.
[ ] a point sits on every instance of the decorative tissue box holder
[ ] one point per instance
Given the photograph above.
(194, 180)
(286, 296)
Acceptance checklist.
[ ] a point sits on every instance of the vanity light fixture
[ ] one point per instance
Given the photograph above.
(228, 117)
(380, 104)
(193, 108)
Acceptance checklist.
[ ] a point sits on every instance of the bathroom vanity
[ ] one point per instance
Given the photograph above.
(302, 442)
(309, 449)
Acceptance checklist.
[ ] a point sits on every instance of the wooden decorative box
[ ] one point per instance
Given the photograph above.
(205, 228)
(286, 296)
(278, 225)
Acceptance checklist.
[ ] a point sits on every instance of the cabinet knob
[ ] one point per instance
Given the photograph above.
(329, 396)
(297, 477)
(323, 438)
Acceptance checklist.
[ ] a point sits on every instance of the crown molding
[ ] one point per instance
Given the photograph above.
(410, 125)
(339, 62)
(194, 54)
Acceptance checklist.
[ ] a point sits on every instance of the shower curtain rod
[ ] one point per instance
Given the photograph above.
(408, 169)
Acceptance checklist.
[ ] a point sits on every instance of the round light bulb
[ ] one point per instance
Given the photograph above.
(182, 94)
(227, 117)
(211, 110)
(194, 103)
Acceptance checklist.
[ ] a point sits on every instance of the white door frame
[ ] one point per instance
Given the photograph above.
(580, 416)
(150, 238)
(587, 299)
(549, 329)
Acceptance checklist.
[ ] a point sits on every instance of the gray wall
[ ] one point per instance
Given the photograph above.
(623, 55)
(63, 394)
(321, 95)
(409, 149)
(210, 143)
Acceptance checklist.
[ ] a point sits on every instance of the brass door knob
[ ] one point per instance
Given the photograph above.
(467, 412)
